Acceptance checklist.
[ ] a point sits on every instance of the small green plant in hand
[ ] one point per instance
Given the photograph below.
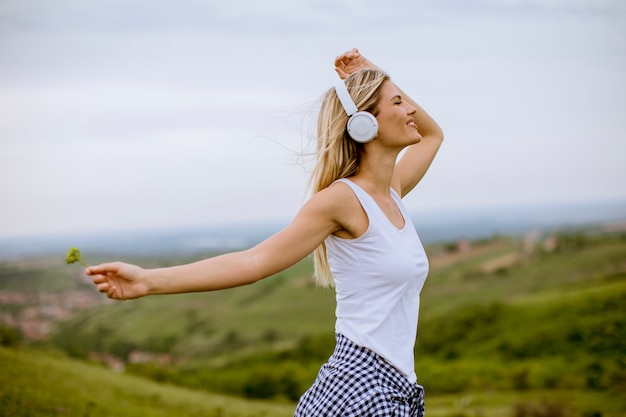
(73, 256)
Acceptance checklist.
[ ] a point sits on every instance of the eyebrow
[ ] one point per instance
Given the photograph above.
(396, 97)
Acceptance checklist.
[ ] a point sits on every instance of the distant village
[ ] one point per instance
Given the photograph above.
(35, 314)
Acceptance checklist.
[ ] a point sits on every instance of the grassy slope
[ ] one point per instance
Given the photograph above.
(34, 384)
(289, 307)
(38, 384)
(461, 283)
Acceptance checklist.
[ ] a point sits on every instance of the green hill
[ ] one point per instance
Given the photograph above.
(40, 384)
(507, 327)
(35, 383)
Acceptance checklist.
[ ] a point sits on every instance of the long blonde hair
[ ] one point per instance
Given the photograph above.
(337, 155)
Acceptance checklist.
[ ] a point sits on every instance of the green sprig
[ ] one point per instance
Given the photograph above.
(73, 256)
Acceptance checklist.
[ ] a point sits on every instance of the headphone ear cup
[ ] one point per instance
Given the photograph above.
(362, 127)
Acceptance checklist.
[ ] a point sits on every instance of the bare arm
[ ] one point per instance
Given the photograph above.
(416, 160)
(313, 223)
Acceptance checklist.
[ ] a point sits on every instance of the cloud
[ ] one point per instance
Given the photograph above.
(271, 17)
(124, 18)
(198, 110)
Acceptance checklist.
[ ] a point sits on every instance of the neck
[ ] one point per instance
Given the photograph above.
(376, 169)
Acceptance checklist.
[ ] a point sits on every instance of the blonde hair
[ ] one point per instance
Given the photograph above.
(337, 155)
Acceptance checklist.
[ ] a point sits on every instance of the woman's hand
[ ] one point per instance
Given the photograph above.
(350, 62)
(120, 281)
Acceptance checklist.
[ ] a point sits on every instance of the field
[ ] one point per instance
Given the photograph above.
(36, 383)
(508, 327)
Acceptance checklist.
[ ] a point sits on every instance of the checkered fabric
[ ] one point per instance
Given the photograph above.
(357, 382)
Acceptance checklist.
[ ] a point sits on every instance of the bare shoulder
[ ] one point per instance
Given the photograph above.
(335, 198)
(340, 202)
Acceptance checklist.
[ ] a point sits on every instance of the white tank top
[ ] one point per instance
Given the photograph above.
(378, 278)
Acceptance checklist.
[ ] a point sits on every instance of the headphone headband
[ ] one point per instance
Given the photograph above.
(344, 97)
(362, 126)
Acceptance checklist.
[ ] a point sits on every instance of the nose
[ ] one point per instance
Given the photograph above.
(410, 109)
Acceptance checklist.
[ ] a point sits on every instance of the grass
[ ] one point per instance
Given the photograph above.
(502, 333)
(197, 325)
(35, 384)
(543, 403)
(458, 284)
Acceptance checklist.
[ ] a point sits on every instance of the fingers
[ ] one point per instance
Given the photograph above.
(111, 290)
(345, 58)
(342, 74)
(114, 293)
(103, 268)
(103, 277)
(349, 62)
(104, 287)
(99, 279)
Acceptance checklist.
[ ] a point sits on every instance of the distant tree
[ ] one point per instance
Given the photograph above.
(10, 336)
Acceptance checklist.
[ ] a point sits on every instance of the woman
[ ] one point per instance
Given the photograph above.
(364, 243)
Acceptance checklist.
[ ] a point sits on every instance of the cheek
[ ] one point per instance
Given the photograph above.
(392, 122)
(388, 126)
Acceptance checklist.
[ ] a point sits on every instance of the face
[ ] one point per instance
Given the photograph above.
(396, 123)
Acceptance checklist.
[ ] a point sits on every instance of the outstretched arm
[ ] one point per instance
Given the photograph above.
(416, 160)
(314, 222)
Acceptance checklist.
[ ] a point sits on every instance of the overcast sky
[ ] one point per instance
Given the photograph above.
(142, 114)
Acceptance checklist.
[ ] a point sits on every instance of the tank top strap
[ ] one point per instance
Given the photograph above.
(367, 202)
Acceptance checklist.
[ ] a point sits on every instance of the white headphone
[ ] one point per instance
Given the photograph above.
(362, 125)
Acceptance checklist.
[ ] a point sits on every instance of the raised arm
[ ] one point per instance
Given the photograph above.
(417, 158)
(313, 223)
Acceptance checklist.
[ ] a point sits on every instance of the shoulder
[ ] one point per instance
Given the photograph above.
(336, 198)
(339, 203)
